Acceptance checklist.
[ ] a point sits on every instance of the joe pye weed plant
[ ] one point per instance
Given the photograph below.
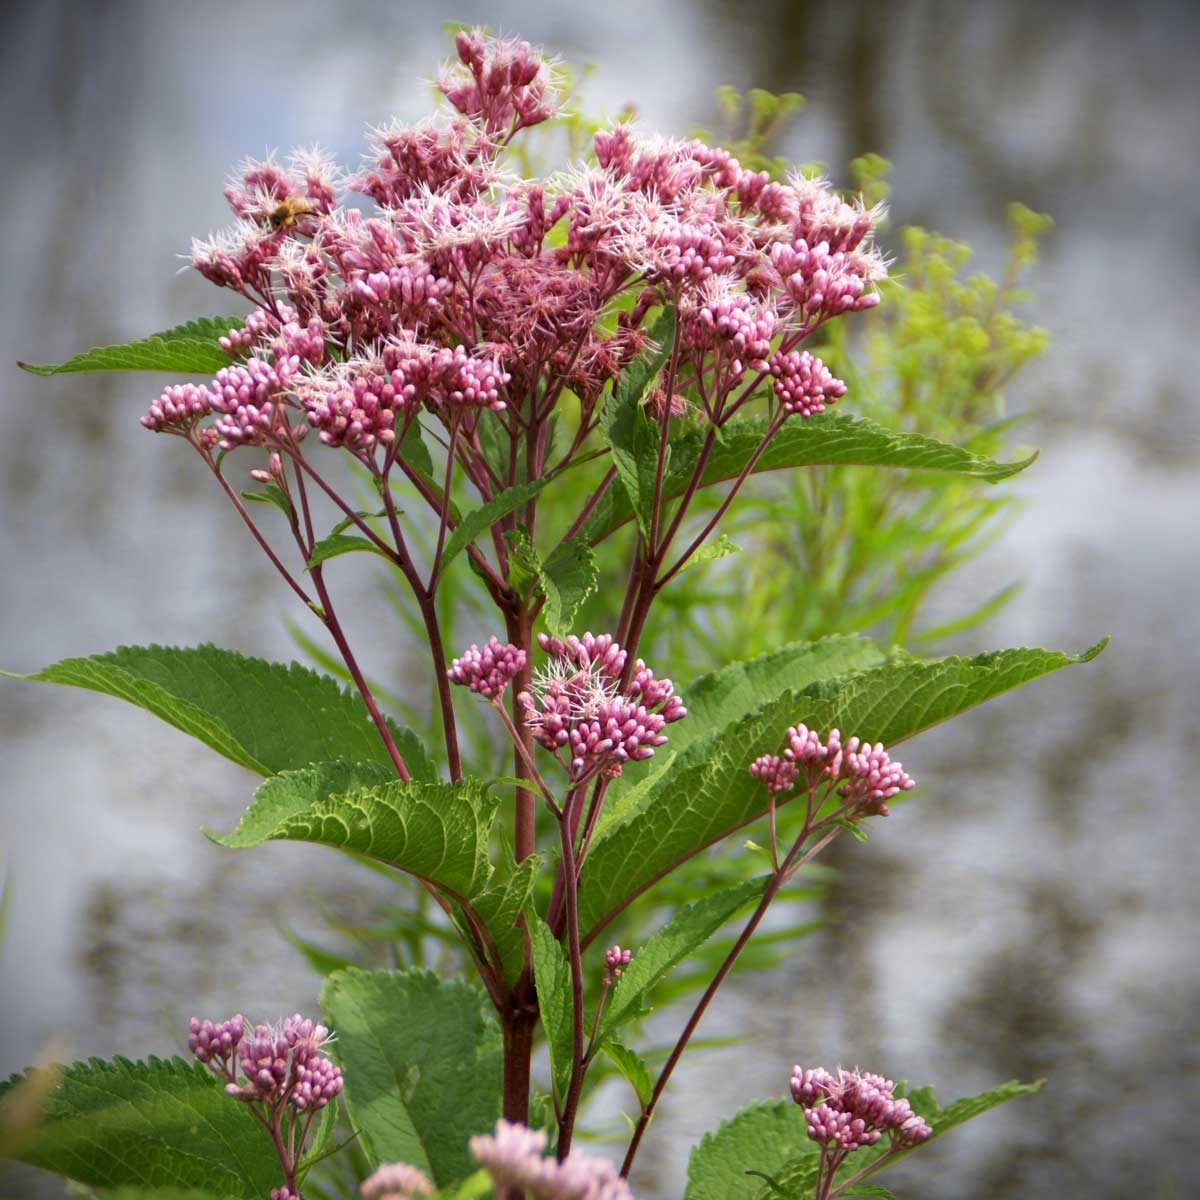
(458, 342)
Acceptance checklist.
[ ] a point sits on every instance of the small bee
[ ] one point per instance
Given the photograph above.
(288, 213)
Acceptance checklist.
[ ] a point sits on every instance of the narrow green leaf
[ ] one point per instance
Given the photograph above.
(568, 577)
(162, 1123)
(552, 973)
(190, 349)
(341, 543)
(436, 831)
(422, 1064)
(623, 423)
(719, 547)
(479, 520)
(689, 929)
(633, 1067)
(414, 451)
(762, 1137)
(268, 717)
(271, 494)
(831, 439)
(707, 792)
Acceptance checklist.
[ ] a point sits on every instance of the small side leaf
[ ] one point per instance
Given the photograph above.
(479, 520)
(552, 973)
(337, 544)
(633, 1067)
(569, 576)
(190, 349)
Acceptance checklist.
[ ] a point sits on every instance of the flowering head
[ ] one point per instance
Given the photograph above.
(513, 1155)
(500, 84)
(395, 1181)
(579, 709)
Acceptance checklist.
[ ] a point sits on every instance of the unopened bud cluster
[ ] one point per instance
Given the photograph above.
(849, 1110)
(579, 708)
(615, 960)
(488, 670)
(515, 1156)
(863, 775)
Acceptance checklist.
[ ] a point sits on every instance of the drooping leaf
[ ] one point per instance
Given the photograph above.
(633, 1068)
(500, 910)
(763, 1137)
(568, 577)
(831, 439)
(689, 929)
(707, 792)
(160, 1123)
(337, 544)
(552, 974)
(436, 831)
(624, 427)
(479, 520)
(422, 1064)
(719, 547)
(265, 716)
(189, 349)
(271, 493)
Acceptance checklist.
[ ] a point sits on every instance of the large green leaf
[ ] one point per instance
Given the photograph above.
(831, 439)
(159, 1123)
(707, 792)
(552, 974)
(689, 929)
(265, 716)
(189, 349)
(422, 1063)
(624, 427)
(762, 1137)
(724, 696)
(436, 831)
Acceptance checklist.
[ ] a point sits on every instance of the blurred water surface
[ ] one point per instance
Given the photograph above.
(1033, 913)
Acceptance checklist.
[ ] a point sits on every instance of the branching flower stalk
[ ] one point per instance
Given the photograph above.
(648, 298)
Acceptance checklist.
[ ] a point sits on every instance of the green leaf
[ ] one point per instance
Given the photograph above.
(479, 520)
(623, 424)
(831, 439)
(724, 696)
(763, 1137)
(569, 576)
(707, 792)
(719, 547)
(689, 929)
(159, 1123)
(414, 451)
(500, 909)
(271, 494)
(341, 543)
(552, 974)
(266, 716)
(190, 349)
(633, 1067)
(436, 831)
(422, 1063)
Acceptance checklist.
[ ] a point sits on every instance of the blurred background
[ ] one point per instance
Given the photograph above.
(1032, 914)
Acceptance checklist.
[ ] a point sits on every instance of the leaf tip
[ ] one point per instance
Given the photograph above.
(1094, 652)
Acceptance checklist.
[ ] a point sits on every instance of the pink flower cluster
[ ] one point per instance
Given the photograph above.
(488, 671)
(453, 298)
(514, 1155)
(277, 1064)
(849, 1110)
(863, 775)
(579, 709)
(395, 1181)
